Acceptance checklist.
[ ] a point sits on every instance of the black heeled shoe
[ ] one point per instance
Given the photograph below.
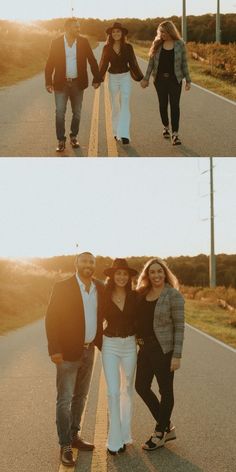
(122, 449)
(125, 140)
(114, 453)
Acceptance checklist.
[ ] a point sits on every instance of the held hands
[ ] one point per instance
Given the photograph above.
(144, 83)
(187, 86)
(175, 364)
(95, 86)
(57, 358)
(49, 88)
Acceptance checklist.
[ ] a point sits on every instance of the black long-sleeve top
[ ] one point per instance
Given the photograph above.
(145, 317)
(120, 322)
(125, 61)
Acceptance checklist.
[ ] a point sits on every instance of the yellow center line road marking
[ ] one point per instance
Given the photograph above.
(99, 461)
(111, 143)
(93, 138)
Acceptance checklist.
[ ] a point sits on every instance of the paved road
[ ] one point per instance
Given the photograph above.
(27, 123)
(205, 412)
(28, 437)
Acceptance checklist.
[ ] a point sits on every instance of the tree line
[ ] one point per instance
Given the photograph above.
(199, 28)
(191, 271)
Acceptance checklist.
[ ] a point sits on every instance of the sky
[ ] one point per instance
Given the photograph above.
(26, 10)
(115, 207)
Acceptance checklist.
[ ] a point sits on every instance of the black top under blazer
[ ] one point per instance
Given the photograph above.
(65, 322)
(55, 70)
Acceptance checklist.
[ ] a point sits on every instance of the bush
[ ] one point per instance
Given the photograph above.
(218, 59)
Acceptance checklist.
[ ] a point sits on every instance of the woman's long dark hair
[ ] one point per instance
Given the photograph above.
(110, 286)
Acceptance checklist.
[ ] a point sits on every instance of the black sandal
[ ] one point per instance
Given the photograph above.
(156, 440)
(166, 133)
(175, 140)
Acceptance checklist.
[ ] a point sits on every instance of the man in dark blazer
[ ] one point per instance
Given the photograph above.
(66, 75)
(74, 327)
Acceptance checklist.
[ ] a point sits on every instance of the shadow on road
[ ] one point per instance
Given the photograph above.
(127, 151)
(72, 153)
(188, 152)
(159, 460)
(136, 459)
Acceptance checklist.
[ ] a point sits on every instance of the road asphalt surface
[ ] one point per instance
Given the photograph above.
(27, 126)
(204, 413)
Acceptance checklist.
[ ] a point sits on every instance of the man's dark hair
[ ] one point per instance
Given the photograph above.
(85, 252)
(80, 254)
(69, 22)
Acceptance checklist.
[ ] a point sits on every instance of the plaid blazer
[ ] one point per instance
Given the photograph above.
(168, 321)
(180, 64)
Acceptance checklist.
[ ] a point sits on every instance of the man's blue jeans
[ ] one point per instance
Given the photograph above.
(70, 91)
(73, 380)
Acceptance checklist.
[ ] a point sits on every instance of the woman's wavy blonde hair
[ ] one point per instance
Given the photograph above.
(144, 284)
(168, 27)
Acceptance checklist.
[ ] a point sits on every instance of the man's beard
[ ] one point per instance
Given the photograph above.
(86, 272)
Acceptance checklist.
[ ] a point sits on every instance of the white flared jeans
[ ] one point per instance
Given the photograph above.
(120, 90)
(119, 357)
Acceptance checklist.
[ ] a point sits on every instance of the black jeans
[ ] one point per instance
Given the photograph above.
(169, 91)
(152, 362)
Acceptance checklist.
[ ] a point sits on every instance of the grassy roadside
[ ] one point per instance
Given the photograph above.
(211, 319)
(198, 76)
(14, 75)
(8, 324)
(16, 72)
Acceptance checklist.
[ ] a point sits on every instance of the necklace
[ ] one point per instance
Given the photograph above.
(118, 298)
(116, 48)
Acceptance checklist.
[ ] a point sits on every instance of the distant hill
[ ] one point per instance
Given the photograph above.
(199, 28)
(192, 271)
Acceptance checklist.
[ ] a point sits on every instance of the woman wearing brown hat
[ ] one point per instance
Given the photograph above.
(119, 56)
(119, 353)
(160, 329)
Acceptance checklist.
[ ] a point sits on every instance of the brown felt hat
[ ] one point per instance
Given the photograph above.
(120, 264)
(116, 25)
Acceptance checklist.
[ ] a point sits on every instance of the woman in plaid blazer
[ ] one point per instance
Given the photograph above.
(160, 332)
(168, 65)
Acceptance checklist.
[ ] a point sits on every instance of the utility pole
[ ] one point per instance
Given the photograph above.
(212, 261)
(218, 31)
(184, 21)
